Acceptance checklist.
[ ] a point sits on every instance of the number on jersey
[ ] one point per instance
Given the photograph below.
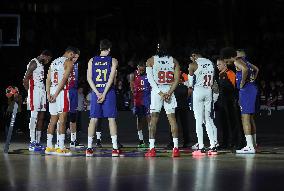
(165, 77)
(207, 81)
(102, 75)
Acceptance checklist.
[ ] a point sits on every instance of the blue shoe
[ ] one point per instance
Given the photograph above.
(32, 146)
(39, 147)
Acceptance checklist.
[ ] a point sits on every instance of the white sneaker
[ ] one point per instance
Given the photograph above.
(246, 150)
(195, 147)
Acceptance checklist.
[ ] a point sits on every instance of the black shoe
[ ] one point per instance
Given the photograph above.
(170, 146)
(76, 145)
(99, 144)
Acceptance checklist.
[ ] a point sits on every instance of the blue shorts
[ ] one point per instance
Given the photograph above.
(107, 109)
(141, 110)
(73, 99)
(247, 98)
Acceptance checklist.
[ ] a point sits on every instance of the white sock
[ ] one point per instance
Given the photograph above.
(114, 141)
(254, 139)
(57, 138)
(73, 137)
(61, 141)
(32, 127)
(99, 134)
(90, 142)
(49, 140)
(249, 140)
(140, 135)
(38, 136)
(175, 141)
(152, 143)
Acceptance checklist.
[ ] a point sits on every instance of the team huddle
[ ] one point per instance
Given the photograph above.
(152, 84)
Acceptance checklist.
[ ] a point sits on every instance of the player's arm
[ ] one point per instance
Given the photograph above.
(131, 80)
(48, 84)
(68, 67)
(242, 66)
(90, 77)
(176, 78)
(256, 69)
(111, 76)
(150, 76)
(29, 73)
(191, 69)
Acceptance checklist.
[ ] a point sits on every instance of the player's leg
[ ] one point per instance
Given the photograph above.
(73, 127)
(62, 151)
(32, 127)
(113, 134)
(253, 129)
(141, 124)
(50, 131)
(99, 133)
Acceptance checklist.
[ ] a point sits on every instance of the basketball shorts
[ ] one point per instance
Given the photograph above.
(141, 110)
(202, 99)
(61, 103)
(107, 109)
(247, 98)
(157, 102)
(36, 100)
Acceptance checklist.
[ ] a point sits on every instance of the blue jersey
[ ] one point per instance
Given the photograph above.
(142, 90)
(101, 69)
(250, 77)
(73, 79)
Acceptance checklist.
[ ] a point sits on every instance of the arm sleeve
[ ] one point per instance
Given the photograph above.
(149, 71)
(190, 81)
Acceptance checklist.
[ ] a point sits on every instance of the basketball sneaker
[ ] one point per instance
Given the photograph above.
(142, 144)
(212, 151)
(115, 152)
(76, 145)
(89, 152)
(38, 147)
(50, 150)
(99, 143)
(63, 152)
(151, 153)
(176, 152)
(199, 152)
(246, 150)
(32, 146)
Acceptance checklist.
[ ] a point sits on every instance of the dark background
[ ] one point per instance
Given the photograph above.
(134, 27)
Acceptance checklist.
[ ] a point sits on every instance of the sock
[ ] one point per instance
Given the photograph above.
(99, 134)
(73, 137)
(254, 139)
(38, 136)
(114, 141)
(49, 140)
(90, 142)
(32, 127)
(57, 138)
(152, 143)
(140, 135)
(249, 140)
(175, 141)
(61, 141)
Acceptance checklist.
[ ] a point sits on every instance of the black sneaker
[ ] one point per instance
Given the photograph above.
(76, 145)
(142, 144)
(99, 144)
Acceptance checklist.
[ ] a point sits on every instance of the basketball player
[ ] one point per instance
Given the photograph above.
(36, 101)
(100, 75)
(163, 75)
(141, 89)
(57, 87)
(73, 97)
(246, 74)
(203, 70)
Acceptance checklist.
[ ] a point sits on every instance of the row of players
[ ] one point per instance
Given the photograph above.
(152, 91)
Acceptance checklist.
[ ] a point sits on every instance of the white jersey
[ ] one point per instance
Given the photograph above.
(57, 71)
(37, 80)
(163, 70)
(204, 73)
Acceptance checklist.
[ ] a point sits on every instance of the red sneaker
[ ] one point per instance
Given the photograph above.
(151, 153)
(212, 151)
(115, 152)
(199, 152)
(176, 152)
(89, 152)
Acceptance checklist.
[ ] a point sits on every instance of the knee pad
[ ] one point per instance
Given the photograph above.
(73, 117)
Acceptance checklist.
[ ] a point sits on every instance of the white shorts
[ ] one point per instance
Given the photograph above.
(36, 100)
(202, 100)
(61, 103)
(157, 103)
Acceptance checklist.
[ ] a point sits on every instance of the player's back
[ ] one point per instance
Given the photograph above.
(163, 70)
(37, 79)
(204, 73)
(101, 69)
(142, 89)
(250, 76)
(57, 71)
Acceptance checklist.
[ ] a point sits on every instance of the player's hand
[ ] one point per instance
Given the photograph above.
(168, 97)
(101, 99)
(51, 98)
(162, 95)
